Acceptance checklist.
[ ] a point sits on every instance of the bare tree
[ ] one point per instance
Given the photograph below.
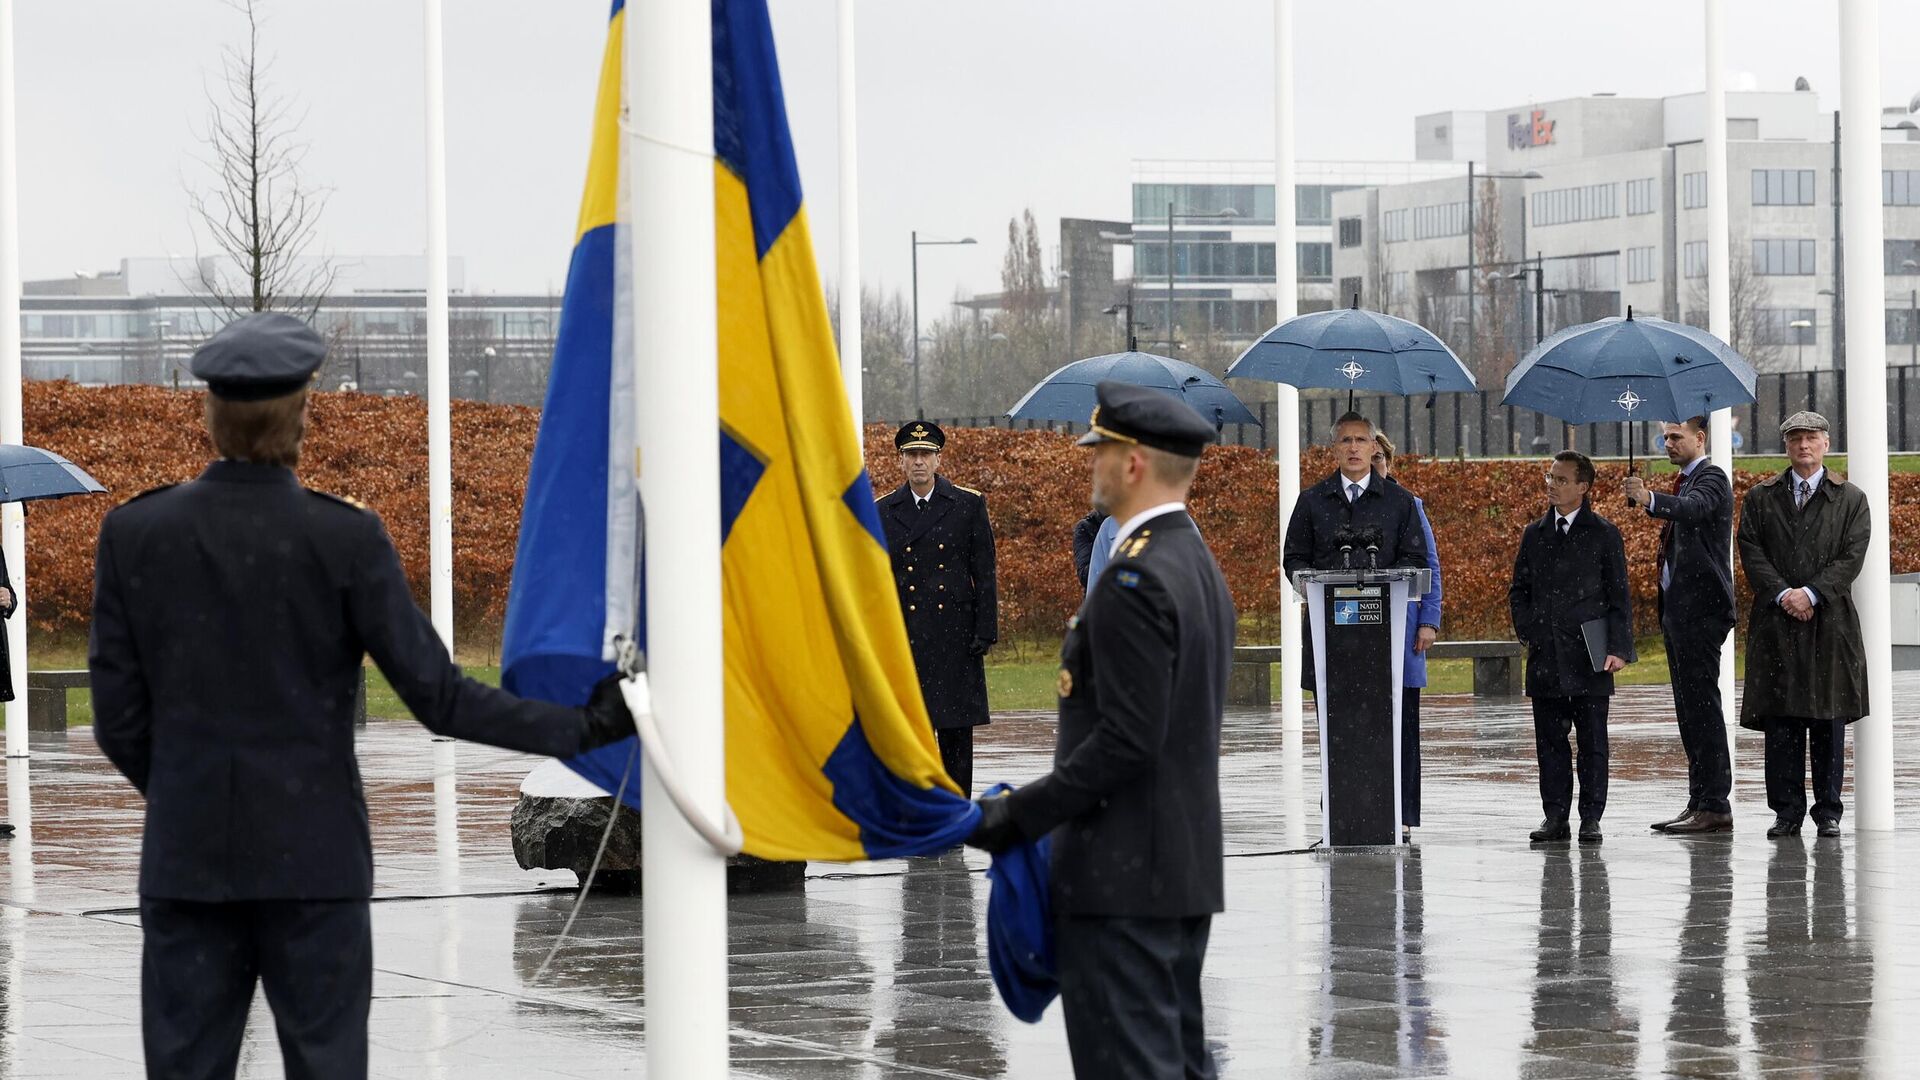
(1749, 295)
(257, 212)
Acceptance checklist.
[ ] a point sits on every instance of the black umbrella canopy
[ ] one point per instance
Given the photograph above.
(28, 473)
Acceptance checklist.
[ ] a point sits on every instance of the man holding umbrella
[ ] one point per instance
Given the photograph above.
(1696, 615)
(1803, 540)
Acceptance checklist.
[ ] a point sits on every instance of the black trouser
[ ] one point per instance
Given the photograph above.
(956, 756)
(1130, 991)
(1410, 756)
(198, 967)
(1787, 738)
(1693, 661)
(1587, 717)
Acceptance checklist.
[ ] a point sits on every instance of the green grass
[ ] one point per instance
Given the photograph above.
(1768, 463)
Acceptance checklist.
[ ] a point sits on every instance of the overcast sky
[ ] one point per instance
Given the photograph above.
(968, 111)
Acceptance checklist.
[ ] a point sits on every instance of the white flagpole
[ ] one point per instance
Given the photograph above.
(850, 355)
(1285, 431)
(1866, 404)
(1720, 287)
(669, 98)
(439, 424)
(13, 523)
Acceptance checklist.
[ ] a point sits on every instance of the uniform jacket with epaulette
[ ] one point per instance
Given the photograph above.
(231, 615)
(943, 566)
(1133, 801)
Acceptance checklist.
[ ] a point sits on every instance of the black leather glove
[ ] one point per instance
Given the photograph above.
(978, 647)
(608, 719)
(996, 831)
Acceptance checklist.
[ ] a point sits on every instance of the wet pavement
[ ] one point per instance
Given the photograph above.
(1468, 955)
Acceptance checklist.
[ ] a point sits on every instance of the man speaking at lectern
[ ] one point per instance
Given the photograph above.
(1350, 501)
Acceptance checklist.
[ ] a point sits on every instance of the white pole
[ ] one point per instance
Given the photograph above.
(1285, 432)
(676, 388)
(439, 425)
(1867, 393)
(1720, 283)
(13, 523)
(850, 358)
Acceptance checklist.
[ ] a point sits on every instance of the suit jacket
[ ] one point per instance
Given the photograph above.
(1558, 585)
(1133, 801)
(230, 618)
(1699, 551)
(943, 567)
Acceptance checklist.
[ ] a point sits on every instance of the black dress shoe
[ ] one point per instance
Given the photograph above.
(6, 830)
(1783, 827)
(1700, 821)
(1663, 826)
(1551, 830)
(1589, 831)
(1829, 829)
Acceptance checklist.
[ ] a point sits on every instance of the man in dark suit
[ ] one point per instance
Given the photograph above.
(1133, 801)
(1696, 614)
(1353, 497)
(942, 550)
(1571, 570)
(231, 615)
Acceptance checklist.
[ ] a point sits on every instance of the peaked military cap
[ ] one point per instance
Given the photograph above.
(1804, 420)
(264, 355)
(919, 435)
(1147, 417)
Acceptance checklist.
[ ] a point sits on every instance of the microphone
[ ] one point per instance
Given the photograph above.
(1347, 538)
(1372, 538)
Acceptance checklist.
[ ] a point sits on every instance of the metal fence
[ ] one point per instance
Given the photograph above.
(1477, 425)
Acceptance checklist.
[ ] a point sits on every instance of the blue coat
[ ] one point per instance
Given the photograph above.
(1424, 611)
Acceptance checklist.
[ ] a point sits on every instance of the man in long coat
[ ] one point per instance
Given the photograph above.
(942, 550)
(1803, 539)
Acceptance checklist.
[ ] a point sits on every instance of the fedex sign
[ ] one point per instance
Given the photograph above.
(1529, 130)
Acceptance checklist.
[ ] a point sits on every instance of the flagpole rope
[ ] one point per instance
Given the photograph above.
(726, 839)
(627, 128)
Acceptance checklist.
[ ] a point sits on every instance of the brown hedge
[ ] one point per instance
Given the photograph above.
(374, 449)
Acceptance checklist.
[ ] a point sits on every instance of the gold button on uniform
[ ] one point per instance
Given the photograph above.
(910, 607)
(910, 588)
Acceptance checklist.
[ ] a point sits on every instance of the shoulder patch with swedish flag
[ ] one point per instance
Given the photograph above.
(1127, 579)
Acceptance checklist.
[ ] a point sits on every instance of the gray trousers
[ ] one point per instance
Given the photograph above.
(1130, 991)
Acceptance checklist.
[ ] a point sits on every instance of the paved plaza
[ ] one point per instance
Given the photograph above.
(1469, 955)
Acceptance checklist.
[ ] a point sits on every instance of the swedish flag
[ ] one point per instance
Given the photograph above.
(829, 753)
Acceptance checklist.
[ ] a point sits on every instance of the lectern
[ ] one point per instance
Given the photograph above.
(1359, 620)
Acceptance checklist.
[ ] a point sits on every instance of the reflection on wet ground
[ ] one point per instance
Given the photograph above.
(1469, 955)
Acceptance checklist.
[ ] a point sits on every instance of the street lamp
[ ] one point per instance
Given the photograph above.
(1801, 340)
(1224, 212)
(919, 411)
(486, 373)
(1837, 318)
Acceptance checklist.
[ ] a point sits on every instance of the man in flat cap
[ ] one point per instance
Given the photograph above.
(231, 615)
(942, 549)
(1803, 538)
(1133, 801)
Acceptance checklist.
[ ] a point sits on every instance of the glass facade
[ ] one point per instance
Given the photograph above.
(1446, 219)
(1642, 266)
(1900, 187)
(1250, 203)
(1693, 258)
(1774, 326)
(1350, 232)
(1393, 226)
(1693, 190)
(1643, 197)
(1783, 187)
(1592, 202)
(1783, 258)
(1903, 257)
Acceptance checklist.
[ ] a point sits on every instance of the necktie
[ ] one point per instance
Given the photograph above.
(1353, 492)
(1666, 535)
(1563, 528)
(1800, 500)
(919, 503)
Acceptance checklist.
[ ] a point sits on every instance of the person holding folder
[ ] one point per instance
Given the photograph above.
(1572, 611)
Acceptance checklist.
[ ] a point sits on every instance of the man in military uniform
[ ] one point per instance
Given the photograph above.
(231, 614)
(1133, 801)
(942, 548)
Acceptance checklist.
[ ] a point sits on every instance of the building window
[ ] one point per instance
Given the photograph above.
(1315, 261)
(1643, 196)
(1693, 190)
(1901, 326)
(1694, 258)
(1903, 257)
(1393, 226)
(1787, 258)
(1593, 202)
(1447, 219)
(1783, 187)
(1582, 273)
(1349, 292)
(1900, 187)
(1349, 232)
(1399, 286)
(1640, 265)
(1774, 326)
(1245, 203)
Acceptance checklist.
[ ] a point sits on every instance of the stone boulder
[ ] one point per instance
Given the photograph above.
(558, 823)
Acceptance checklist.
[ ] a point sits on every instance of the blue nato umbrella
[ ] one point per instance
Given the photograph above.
(1353, 349)
(1068, 393)
(1623, 368)
(28, 472)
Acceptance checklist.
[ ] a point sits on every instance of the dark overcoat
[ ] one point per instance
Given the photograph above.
(943, 567)
(1133, 801)
(231, 617)
(1697, 539)
(1817, 669)
(6, 612)
(1558, 585)
(1323, 509)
